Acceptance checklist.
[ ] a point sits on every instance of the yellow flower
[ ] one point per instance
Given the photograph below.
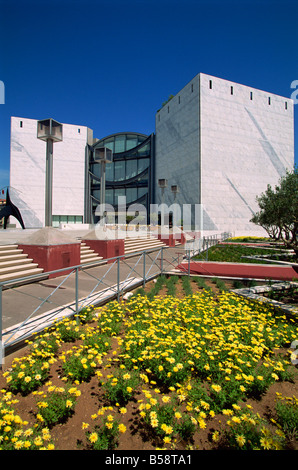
(93, 437)
(240, 440)
(122, 428)
(123, 410)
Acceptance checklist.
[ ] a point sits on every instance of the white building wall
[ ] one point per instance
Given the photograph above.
(223, 149)
(27, 171)
(177, 146)
(246, 144)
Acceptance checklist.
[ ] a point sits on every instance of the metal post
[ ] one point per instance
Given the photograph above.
(1, 344)
(161, 261)
(118, 278)
(188, 268)
(49, 183)
(77, 292)
(103, 184)
(144, 269)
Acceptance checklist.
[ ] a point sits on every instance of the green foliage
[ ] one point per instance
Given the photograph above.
(278, 213)
(287, 415)
(27, 374)
(235, 253)
(120, 386)
(56, 405)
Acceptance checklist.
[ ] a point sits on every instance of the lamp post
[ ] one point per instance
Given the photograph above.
(175, 190)
(163, 184)
(103, 155)
(49, 131)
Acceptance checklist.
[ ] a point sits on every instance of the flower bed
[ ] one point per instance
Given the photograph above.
(156, 372)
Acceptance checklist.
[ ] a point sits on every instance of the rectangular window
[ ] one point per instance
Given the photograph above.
(168, 109)
(179, 99)
(232, 90)
(21, 123)
(119, 143)
(269, 100)
(79, 131)
(210, 84)
(286, 105)
(192, 88)
(251, 95)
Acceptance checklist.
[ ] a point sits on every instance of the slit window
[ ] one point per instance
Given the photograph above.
(210, 84)
(232, 90)
(79, 131)
(179, 99)
(269, 100)
(192, 87)
(21, 123)
(286, 105)
(251, 95)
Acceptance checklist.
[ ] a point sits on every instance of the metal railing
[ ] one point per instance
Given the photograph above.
(108, 279)
(111, 279)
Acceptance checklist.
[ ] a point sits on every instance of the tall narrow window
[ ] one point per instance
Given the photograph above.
(168, 109)
(192, 87)
(269, 100)
(21, 123)
(286, 105)
(232, 90)
(251, 95)
(179, 99)
(79, 131)
(210, 84)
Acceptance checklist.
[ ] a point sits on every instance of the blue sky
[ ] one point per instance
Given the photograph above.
(109, 65)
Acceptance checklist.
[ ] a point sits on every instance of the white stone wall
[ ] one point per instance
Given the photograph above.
(246, 144)
(223, 146)
(177, 145)
(27, 171)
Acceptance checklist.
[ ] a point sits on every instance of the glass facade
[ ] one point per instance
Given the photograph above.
(130, 174)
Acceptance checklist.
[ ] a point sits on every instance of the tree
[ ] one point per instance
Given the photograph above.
(278, 213)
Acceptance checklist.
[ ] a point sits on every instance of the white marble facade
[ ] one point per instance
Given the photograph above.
(27, 171)
(223, 143)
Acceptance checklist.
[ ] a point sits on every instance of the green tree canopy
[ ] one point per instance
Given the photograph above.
(278, 213)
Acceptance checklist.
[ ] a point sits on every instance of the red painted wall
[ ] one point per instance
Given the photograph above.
(52, 257)
(258, 271)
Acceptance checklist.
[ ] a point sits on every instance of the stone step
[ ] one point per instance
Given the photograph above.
(9, 251)
(93, 260)
(17, 262)
(18, 268)
(16, 275)
(87, 251)
(13, 257)
(7, 247)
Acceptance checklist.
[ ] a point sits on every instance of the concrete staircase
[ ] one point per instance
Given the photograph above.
(132, 245)
(14, 264)
(88, 255)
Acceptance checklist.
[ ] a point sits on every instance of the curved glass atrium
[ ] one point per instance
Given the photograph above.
(130, 174)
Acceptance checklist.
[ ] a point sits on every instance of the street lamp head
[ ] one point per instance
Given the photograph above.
(103, 154)
(162, 183)
(49, 129)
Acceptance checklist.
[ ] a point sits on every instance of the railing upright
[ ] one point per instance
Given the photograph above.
(1, 343)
